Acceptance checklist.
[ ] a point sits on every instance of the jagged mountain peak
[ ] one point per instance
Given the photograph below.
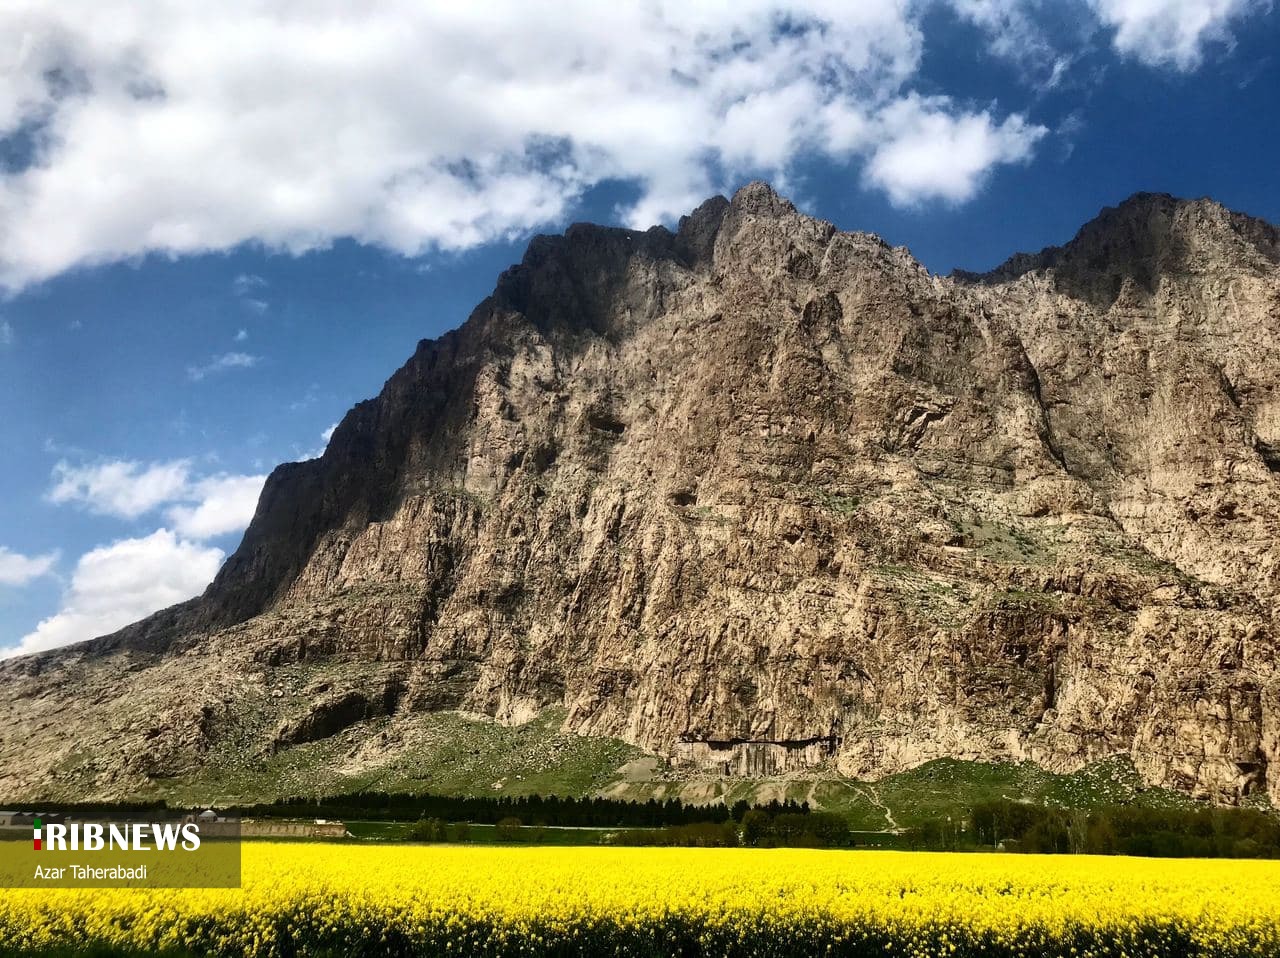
(1155, 226)
(761, 199)
(1145, 237)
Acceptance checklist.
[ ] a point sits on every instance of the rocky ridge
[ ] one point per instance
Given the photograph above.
(760, 497)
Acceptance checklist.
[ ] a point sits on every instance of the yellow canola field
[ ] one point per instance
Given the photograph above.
(317, 899)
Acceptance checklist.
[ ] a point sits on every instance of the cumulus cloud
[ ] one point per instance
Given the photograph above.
(221, 364)
(120, 583)
(17, 569)
(181, 128)
(126, 580)
(1171, 33)
(121, 488)
(928, 153)
(198, 508)
(222, 504)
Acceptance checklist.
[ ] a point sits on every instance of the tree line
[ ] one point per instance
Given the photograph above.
(755, 828)
(758, 827)
(551, 810)
(1127, 830)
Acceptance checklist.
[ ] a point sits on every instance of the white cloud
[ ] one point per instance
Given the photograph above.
(1037, 34)
(121, 488)
(1068, 131)
(198, 508)
(248, 288)
(17, 569)
(221, 364)
(302, 455)
(120, 583)
(1171, 33)
(309, 398)
(928, 153)
(241, 335)
(246, 283)
(224, 504)
(6, 333)
(195, 127)
(1015, 34)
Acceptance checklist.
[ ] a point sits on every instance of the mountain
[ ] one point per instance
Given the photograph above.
(754, 498)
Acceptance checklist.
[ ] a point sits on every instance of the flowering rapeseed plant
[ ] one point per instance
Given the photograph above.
(316, 899)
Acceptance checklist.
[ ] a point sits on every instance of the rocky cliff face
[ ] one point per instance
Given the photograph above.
(763, 497)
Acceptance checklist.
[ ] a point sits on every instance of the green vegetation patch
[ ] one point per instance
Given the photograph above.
(951, 787)
(441, 752)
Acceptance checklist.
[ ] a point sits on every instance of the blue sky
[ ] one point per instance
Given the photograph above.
(220, 228)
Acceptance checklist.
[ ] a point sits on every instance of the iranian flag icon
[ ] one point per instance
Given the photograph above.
(37, 834)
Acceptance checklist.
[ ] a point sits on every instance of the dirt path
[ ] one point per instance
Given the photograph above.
(872, 794)
(812, 797)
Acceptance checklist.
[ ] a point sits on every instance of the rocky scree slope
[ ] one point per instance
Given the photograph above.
(761, 497)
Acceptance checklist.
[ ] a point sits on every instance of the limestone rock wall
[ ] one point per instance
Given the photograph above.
(764, 496)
